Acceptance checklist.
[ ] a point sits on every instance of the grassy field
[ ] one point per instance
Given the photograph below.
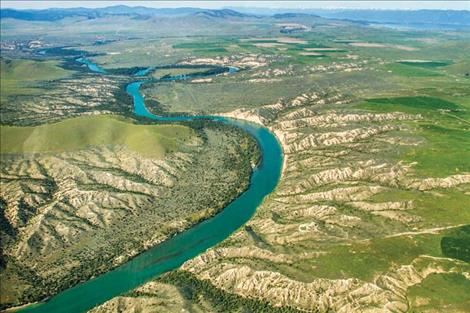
(410, 71)
(444, 127)
(221, 95)
(368, 259)
(440, 293)
(79, 133)
(25, 76)
(417, 104)
(227, 93)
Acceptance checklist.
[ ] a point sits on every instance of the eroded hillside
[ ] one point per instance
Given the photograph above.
(356, 224)
(352, 224)
(35, 92)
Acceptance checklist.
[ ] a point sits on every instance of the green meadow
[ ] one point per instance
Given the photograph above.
(444, 129)
(26, 76)
(410, 71)
(82, 132)
(440, 293)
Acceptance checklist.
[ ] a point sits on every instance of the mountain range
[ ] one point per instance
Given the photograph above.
(405, 17)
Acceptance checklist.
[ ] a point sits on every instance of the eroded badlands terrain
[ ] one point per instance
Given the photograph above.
(350, 228)
(339, 174)
(61, 210)
(81, 94)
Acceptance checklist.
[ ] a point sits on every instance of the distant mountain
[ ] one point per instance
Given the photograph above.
(293, 15)
(260, 11)
(47, 15)
(58, 14)
(176, 11)
(430, 17)
(224, 13)
(426, 18)
(402, 17)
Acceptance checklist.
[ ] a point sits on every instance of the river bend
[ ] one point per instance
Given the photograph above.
(173, 252)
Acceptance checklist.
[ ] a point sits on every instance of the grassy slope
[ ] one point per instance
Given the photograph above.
(78, 133)
(440, 293)
(445, 151)
(410, 71)
(445, 128)
(23, 76)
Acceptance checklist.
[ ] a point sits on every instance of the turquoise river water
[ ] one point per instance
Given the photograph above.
(173, 252)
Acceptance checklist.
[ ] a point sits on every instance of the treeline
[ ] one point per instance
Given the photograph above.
(125, 70)
(209, 72)
(212, 70)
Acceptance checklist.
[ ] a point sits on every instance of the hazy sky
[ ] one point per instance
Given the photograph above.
(40, 4)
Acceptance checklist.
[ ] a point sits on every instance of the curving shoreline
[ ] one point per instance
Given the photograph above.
(173, 252)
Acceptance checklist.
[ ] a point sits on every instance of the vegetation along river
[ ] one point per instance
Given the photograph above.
(173, 252)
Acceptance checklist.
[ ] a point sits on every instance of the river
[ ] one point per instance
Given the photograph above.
(173, 252)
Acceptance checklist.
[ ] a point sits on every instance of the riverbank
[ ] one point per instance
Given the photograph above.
(249, 115)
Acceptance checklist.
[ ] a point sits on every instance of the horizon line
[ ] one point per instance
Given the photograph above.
(399, 5)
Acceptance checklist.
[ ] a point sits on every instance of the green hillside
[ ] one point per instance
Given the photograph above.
(25, 76)
(78, 133)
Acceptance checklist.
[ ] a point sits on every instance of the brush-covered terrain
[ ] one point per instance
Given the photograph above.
(47, 90)
(83, 191)
(83, 195)
(372, 210)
